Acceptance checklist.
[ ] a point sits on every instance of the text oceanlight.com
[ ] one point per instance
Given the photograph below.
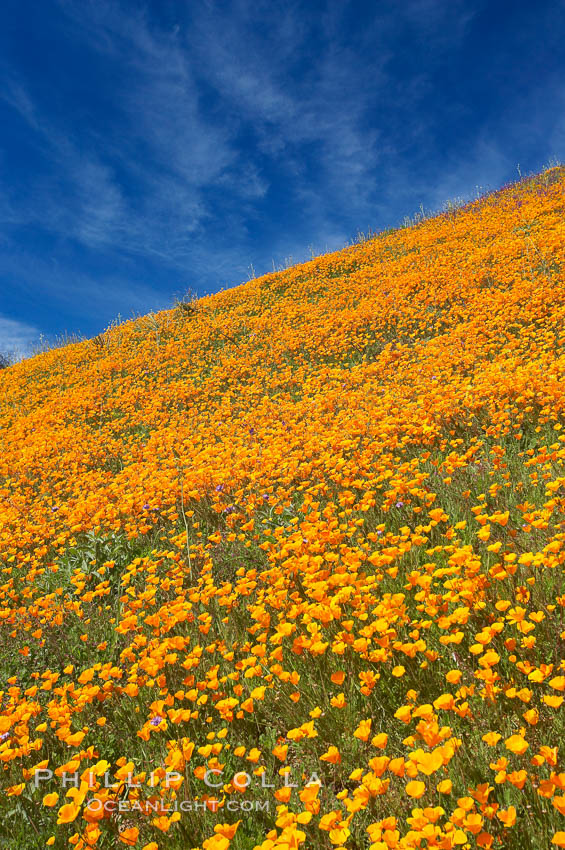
(158, 807)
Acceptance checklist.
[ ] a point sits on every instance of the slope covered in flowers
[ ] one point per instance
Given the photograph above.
(306, 543)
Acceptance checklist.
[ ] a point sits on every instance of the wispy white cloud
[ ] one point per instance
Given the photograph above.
(160, 144)
(16, 338)
(85, 299)
(310, 119)
(320, 117)
(288, 107)
(222, 135)
(77, 196)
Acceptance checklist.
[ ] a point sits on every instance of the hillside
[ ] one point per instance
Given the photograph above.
(307, 536)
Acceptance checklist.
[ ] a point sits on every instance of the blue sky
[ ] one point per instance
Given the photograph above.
(149, 147)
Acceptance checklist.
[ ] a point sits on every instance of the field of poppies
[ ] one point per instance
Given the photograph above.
(284, 567)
